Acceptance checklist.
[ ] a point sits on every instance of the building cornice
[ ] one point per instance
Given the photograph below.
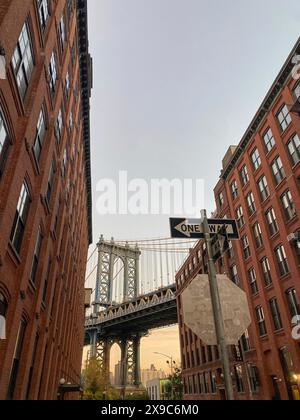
(86, 79)
(284, 75)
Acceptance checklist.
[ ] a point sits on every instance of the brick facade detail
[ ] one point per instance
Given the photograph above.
(266, 364)
(42, 284)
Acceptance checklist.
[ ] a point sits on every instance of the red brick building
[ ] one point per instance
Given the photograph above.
(259, 187)
(45, 194)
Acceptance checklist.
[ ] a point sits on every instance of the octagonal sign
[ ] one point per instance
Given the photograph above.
(198, 311)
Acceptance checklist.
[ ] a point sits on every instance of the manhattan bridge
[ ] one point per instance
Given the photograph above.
(134, 292)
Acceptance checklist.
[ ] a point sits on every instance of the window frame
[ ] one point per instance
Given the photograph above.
(53, 73)
(244, 175)
(251, 203)
(269, 140)
(279, 175)
(43, 20)
(240, 217)
(18, 64)
(5, 143)
(41, 131)
(253, 281)
(276, 315)
(246, 247)
(21, 218)
(296, 151)
(36, 255)
(288, 205)
(261, 321)
(258, 236)
(256, 159)
(263, 187)
(282, 260)
(267, 272)
(271, 217)
(283, 124)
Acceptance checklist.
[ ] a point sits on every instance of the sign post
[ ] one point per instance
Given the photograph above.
(217, 309)
(211, 230)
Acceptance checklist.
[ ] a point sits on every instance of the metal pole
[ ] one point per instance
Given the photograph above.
(217, 309)
(172, 377)
(247, 372)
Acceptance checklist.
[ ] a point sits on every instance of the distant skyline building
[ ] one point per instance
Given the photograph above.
(260, 188)
(118, 375)
(150, 374)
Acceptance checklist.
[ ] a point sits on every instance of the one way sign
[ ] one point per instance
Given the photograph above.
(193, 228)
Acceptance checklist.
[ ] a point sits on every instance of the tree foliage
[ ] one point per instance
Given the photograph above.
(174, 387)
(96, 383)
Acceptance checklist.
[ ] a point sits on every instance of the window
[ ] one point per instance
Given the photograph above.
(254, 378)
(230, 249)
(272, 221)
(263, 188)
(64, 163)
(52, 73)
(4, 142)
(253, 281)
(62, 32)
(67, 84)
(213, 382)
(238, 373)
(16, 360)
(71, 122)
(45, 290)
(297, 91)
(3, 305)
(294, 148)
(269, 140)
(297, 246)
(245, 342)
(246, 247)
(251, 203)
(266, 271)
(43, 13)
(59, 125)
(50, 183)
(234, 190)
(292, 300)
(275, 314)
(18, 228)
(221, 199)
(207, 381)
(36, 255)
(256, 160)
(282, 260)
(244, 175)
(278, 170)
(234, 275)
(40, 135)
(261, 321)
(22, 61)
(240, 217)
(284, 118)
(258, 235)
(32, 366)
(288, 205)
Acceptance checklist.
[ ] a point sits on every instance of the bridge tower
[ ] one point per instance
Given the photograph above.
(108, 253)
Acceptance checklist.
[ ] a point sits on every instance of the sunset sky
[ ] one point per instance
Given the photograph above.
(167, 96)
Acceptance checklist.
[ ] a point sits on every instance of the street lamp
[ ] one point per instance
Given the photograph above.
(172, 364)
